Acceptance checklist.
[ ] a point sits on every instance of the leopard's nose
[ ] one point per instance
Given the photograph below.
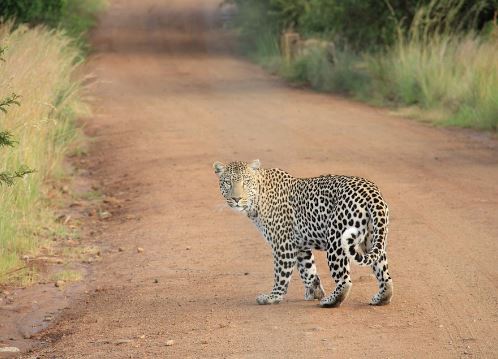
(236, 199)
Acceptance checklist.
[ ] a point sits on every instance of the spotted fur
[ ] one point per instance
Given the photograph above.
(342, 215)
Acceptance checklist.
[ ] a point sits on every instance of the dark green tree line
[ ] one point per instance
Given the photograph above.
(359, 24)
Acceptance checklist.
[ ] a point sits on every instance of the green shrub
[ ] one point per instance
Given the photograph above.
(359, 25)
(266, 51)
(34, 12)
(75, 17)
(78, 17)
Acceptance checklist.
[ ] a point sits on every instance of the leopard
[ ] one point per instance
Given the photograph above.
(345, 216)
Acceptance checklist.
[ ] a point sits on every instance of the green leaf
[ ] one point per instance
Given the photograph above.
(6, 139)
(9, 101)
(9, 177)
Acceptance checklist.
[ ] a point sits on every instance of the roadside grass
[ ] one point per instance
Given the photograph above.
(434, 72)
(80, 253)
(67, 275)
(267, 51)
(39, 66)
(92, 195)
(449, 80)
(455, 75)
(78, 17)
(73, 17)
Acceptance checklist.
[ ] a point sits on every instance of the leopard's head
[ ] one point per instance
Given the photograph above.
(238, 183)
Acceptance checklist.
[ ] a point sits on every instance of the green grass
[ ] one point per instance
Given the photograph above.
(67, 275)
(453, 76)
(73, 17)
(78, 17)
(265, 51)
(92, 195)
(457, 75)
(442, 73)
(39, 66)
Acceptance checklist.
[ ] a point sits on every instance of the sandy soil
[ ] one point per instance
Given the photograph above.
(171, 99)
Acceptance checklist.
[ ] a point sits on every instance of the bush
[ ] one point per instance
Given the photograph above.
(33, 11)
(346, 76)
(357, 25)
(75, 17)
(78, 17)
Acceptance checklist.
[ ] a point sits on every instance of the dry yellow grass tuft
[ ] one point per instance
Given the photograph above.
(39, 66)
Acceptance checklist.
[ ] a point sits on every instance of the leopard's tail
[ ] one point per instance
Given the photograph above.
(353, 237)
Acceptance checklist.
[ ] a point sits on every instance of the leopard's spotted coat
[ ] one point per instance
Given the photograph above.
(342, 215)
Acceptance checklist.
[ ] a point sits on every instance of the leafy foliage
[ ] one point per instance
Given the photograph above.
(8, 101)
(6, 139)
(47, 12)
(9, 177)
(75, 17)
(361, 24)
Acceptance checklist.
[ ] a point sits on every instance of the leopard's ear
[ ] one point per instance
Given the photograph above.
(218, 168)
(256, 164)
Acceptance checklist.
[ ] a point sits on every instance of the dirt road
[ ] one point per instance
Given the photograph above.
(171, 99)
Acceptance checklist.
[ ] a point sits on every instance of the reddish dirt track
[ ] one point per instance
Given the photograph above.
(171, 99)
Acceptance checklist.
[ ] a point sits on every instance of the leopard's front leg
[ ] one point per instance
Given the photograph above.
(284, 261)
(306, 265)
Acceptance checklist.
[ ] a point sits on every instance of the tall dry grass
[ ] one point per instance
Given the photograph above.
(438, 66)
(442, 72)
(455, 77)
(39, 66)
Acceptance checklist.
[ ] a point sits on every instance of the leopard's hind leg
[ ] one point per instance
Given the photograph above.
(307, 270)
(381, 271)
(340, 271)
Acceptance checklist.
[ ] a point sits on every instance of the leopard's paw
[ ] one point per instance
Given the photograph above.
(337, 297)
(315, 292)
(269, 299)
(332, 301)
(384, 296)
